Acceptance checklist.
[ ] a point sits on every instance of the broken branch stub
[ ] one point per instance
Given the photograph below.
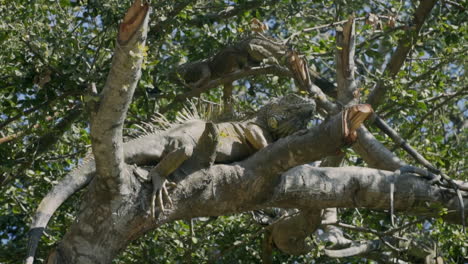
(353, 117)
(132, 21)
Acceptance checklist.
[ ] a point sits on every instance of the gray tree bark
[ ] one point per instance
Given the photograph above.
(116, 207)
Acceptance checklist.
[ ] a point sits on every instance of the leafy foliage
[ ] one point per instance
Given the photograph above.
(51, 50)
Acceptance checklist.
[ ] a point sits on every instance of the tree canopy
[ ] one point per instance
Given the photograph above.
(406, 59)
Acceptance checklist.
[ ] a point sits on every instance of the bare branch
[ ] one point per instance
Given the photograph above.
(106, 126)
(366, 186)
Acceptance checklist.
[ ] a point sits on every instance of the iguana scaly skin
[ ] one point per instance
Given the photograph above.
(248, 52)
(169, 148)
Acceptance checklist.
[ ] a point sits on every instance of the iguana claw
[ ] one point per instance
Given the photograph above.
(160, 192)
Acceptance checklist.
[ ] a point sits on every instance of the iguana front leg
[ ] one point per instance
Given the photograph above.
(256, 136)
(160, 172)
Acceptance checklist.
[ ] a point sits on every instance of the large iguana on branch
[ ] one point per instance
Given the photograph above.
(171, 147)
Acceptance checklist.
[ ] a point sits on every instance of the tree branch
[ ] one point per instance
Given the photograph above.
(405, 44)
(228, 78)
(163, 26)
(375, 153)
(230, 11)
(107, 124)
(435, 108)
(347, 88)
(334, 187)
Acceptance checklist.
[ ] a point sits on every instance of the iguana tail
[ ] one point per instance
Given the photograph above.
(73, 182)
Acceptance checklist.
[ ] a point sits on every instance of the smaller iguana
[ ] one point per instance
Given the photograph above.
(251, 51)
(237, 141)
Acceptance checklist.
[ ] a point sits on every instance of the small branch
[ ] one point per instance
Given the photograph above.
(444, 95)
(359, 248)
(10, 137)
(375, 153)
(228, 12)
(163, 26)
(399, 56)
(419, 158)
(300, 70)
(373, 231)
(455, 4)
(434, 109)
(43, 143)
(253, 71)
(332, 24)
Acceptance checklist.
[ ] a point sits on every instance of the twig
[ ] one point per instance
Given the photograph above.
(422, 59)
(458, 5)
(162, 26)
(10, 137)
(332, 24)
(228, 12)
(419, 158)
(404, 47)
(373, 231)
(442, 96)
(432, 111)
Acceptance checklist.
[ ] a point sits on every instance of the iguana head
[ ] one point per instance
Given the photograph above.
(287, 115)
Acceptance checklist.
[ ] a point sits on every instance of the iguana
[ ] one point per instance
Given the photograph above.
(237, 141)
(248, 52)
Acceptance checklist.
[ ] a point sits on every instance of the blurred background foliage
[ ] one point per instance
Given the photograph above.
(50, 50)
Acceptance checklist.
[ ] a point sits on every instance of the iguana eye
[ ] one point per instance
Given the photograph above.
(272, 122)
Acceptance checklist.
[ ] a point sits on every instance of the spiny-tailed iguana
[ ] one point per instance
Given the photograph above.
(237, 141)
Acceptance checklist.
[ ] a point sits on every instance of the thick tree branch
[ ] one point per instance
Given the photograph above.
(107, 124)
(246, 58)
(113, 181)
(355, 187)
(404, 46)
(375, 153)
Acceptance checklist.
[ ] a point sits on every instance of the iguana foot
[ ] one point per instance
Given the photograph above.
(160, 193)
